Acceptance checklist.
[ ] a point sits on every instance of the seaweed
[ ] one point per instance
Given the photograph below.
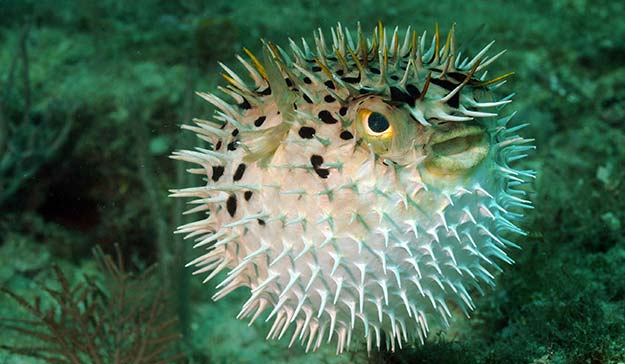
(119, 320)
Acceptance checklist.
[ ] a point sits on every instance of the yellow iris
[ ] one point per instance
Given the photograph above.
(375, 124)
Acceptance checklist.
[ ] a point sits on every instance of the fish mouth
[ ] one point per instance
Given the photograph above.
(457, 150)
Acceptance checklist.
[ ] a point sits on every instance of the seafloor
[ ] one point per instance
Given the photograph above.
(91, 98)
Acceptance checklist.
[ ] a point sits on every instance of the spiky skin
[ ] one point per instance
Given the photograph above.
(340, 233)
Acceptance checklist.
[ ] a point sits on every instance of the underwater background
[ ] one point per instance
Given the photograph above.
(92, 95)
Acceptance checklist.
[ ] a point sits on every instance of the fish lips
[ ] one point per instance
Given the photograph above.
(457, 150)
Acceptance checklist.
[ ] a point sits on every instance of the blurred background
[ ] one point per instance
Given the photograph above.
(92, 96)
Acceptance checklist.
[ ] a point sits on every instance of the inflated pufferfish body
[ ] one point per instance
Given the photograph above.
(358, 187)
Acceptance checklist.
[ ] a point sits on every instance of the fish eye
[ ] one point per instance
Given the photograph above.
(376, 124)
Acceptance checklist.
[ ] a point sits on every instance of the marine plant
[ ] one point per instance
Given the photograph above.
(122, 319)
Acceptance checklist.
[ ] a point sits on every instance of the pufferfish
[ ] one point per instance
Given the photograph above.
(359, 188)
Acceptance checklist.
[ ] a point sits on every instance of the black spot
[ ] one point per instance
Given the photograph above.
(260, 121)
(218, 145)
(235, 132)
(265, 92)
(238, 174)
(245, 105)
(322, 172)
(447, 85)
(343, 111)
(329, 98)
(316, 160)
(247, 195)
(455, 100)
(329, 84)
(327, 117)
(294, 106)
(231, 205)
(374, 70)
(363, 91)
(346, 135)
(413, 91)
(232, 146)
(450, 86)
(457, 76)
(261, 222)
(316, 68)
(306, 132)
(288, 81)
(394, 77)
(307, 80)
(339, 72)
(352, 79)
(218, 171)
(400, 96)
(307, 99)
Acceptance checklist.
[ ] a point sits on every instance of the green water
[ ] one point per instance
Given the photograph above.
(92, 95)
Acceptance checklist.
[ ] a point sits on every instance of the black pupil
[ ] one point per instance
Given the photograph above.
(377, 122)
